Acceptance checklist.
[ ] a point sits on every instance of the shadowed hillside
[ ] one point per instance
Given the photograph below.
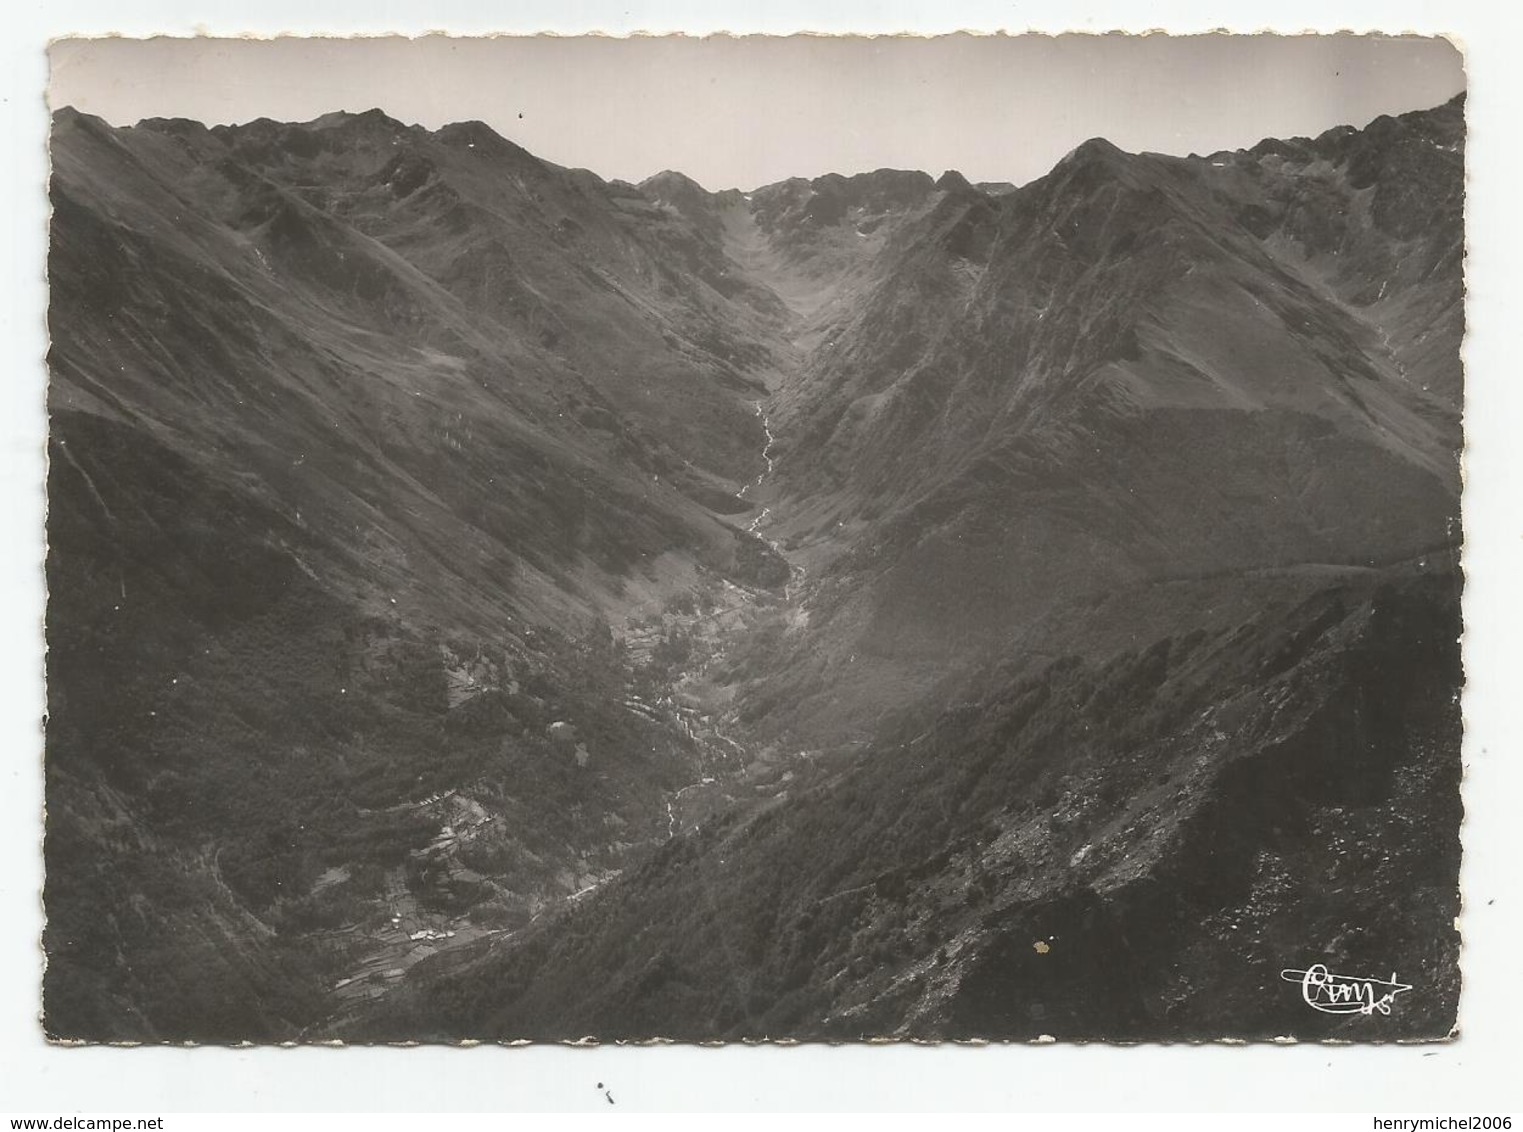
(1135, 368)
(491, 602)
(362, 438)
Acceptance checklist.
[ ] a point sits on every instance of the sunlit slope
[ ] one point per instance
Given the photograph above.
(1135, 368)
(360, 439)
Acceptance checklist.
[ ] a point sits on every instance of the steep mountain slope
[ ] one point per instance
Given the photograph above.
(1135, 368)
(812, 243)
(1128, 849)
(1125, 664)
(361, 437)
(488, 601)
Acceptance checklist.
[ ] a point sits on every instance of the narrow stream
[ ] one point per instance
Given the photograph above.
(795, 571)
(707, 734)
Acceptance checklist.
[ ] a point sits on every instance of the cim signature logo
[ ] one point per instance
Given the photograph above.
(1345, 994)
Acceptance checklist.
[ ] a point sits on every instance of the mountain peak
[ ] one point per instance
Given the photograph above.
(680, 192)
(478, 135)
(175, 127)
(69, 116)
(953, 182)
(670, 181)
(1095, 150)
(372, 119)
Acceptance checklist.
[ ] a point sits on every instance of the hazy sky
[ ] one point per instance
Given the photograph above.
(748, 111)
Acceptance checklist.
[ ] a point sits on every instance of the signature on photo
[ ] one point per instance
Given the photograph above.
(1344, 994)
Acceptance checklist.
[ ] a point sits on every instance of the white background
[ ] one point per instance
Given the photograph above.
(1477, 1073)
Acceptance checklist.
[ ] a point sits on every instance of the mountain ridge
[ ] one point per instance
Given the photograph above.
(454, 556)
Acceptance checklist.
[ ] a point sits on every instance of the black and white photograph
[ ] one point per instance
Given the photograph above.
(755, 539)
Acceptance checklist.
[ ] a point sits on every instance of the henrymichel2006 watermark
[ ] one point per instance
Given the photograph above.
(1344, 994)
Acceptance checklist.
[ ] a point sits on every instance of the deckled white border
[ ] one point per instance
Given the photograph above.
(1474, 1074)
